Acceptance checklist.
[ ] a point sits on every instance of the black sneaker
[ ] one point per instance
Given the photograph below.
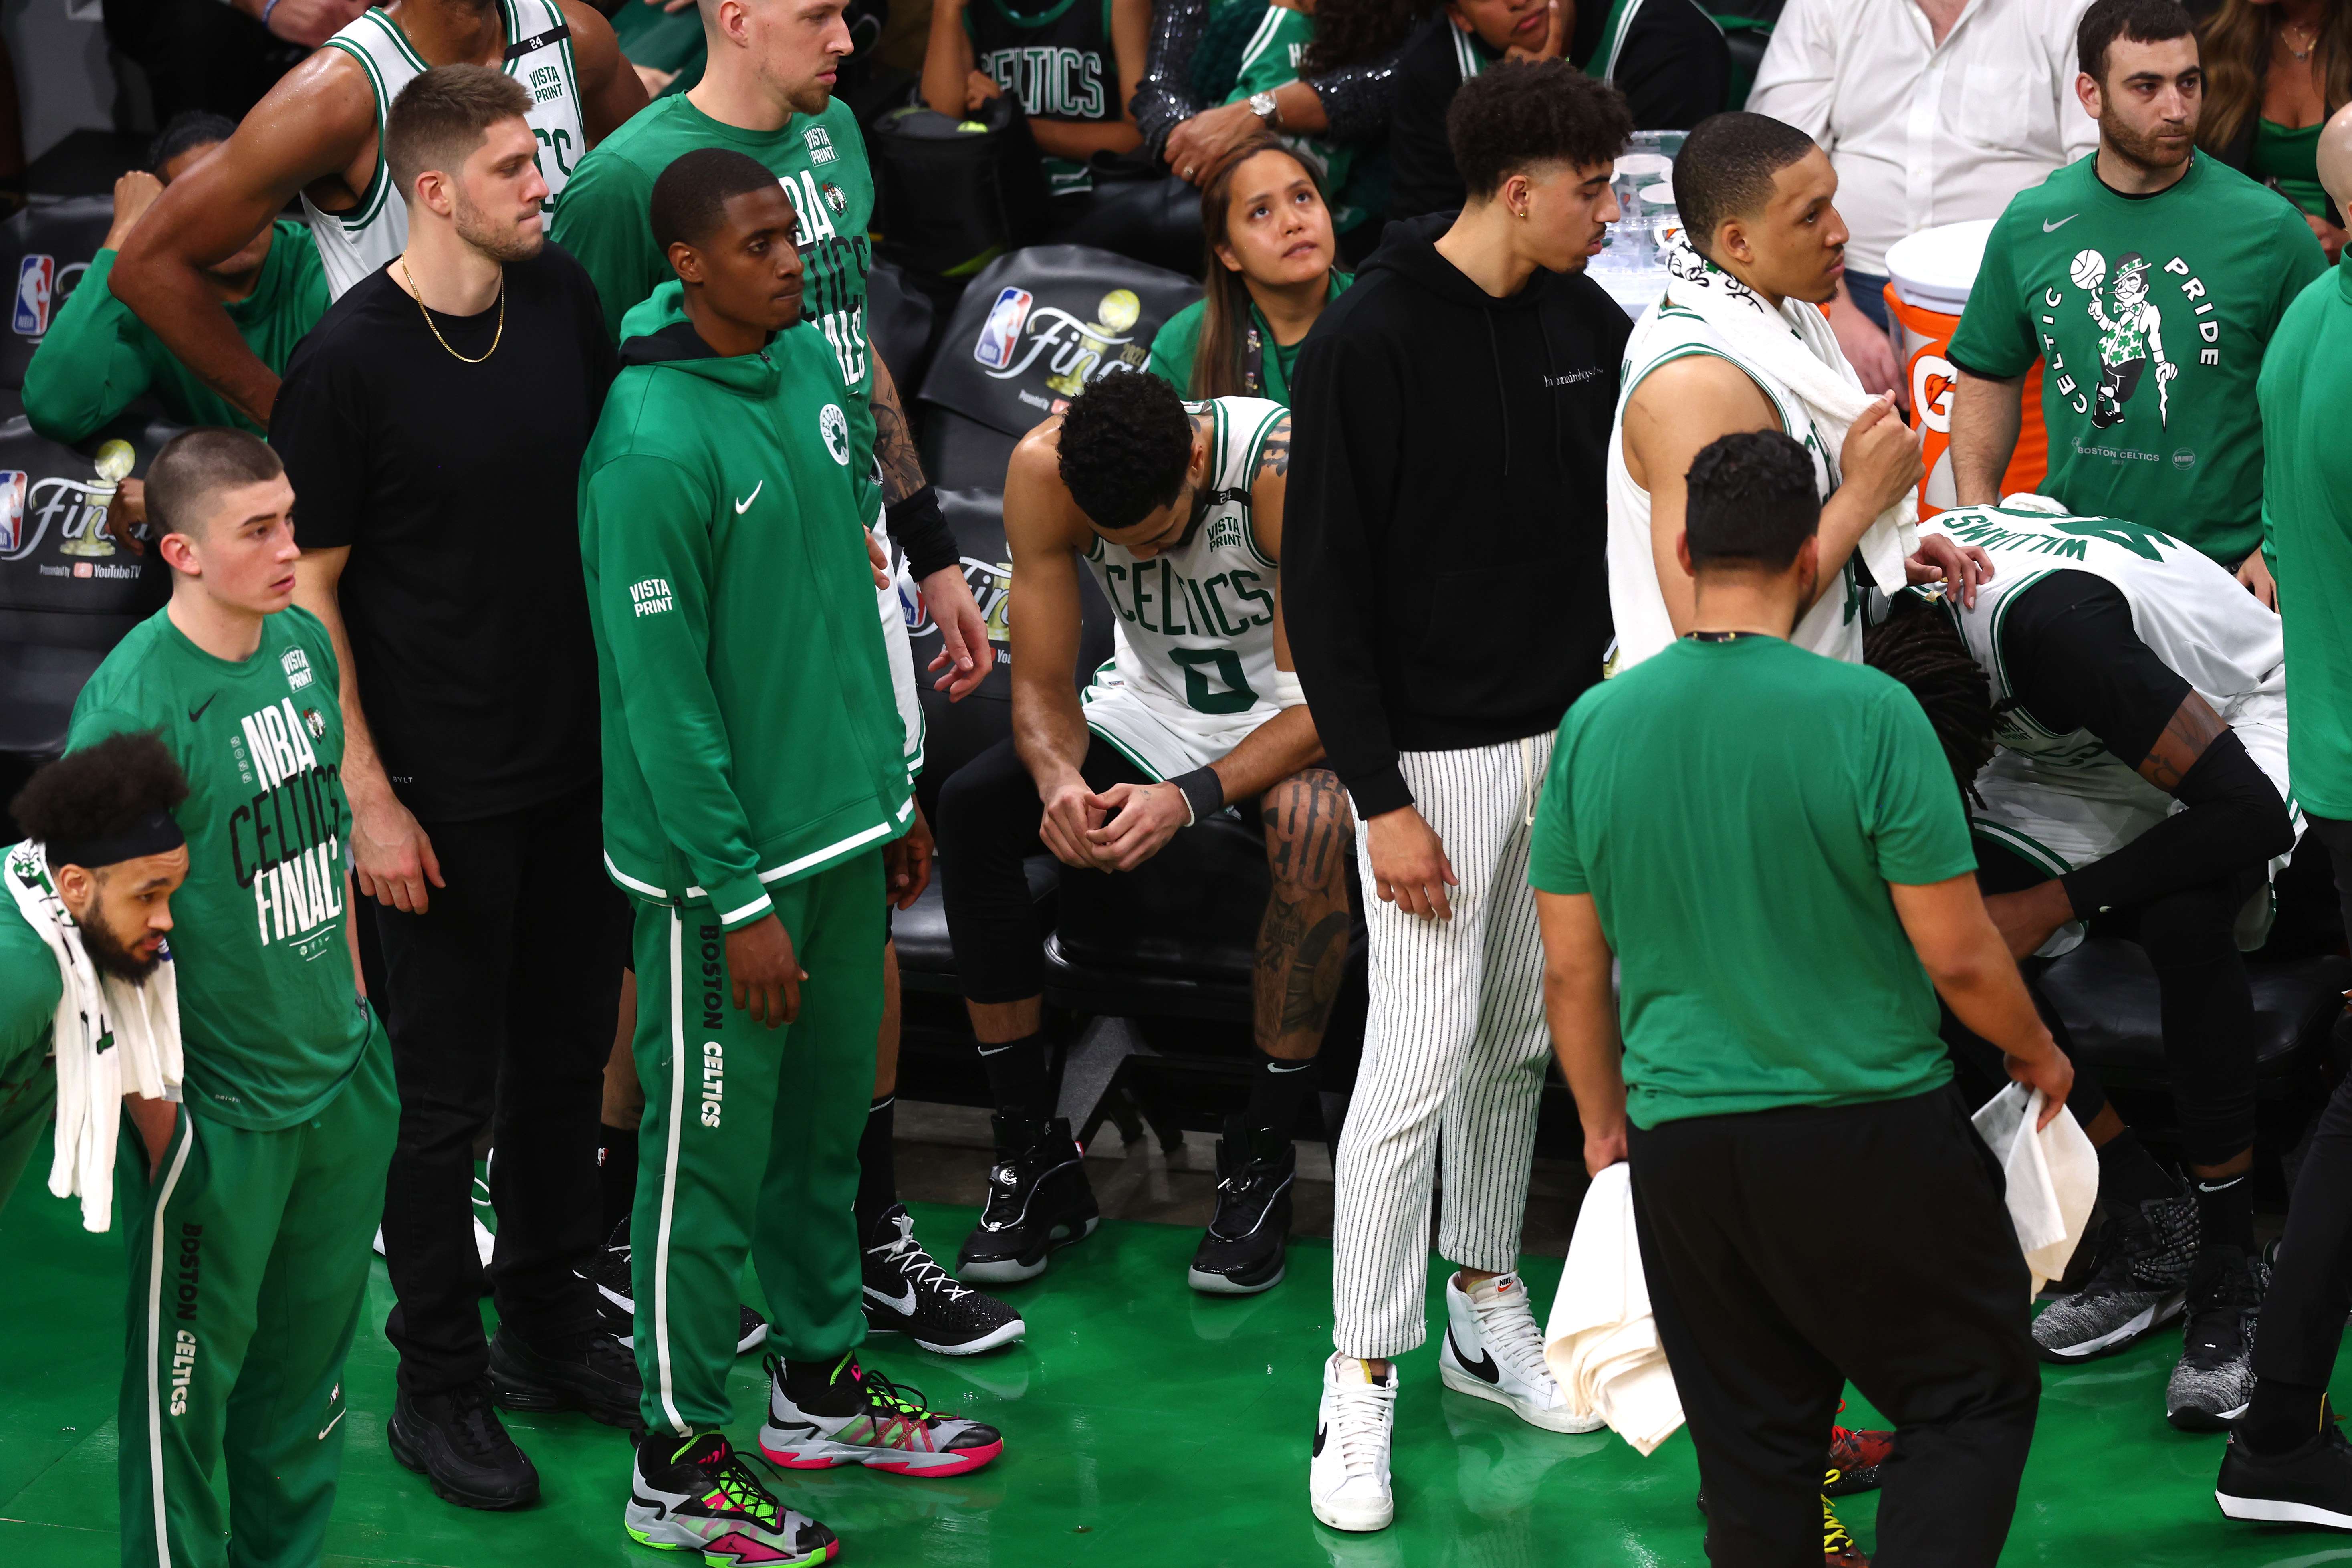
(1249, 1237)
(1038, 1199)
(2215, 1380)
(457, 1442)
(617, 1309)
(907, 1293)
(2311, 1483)
(2139, 1278)
(600, 1377)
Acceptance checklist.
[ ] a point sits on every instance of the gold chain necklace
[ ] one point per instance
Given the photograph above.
(2285, 31)
(437, 338)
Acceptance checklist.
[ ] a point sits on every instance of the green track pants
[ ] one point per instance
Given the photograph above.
(750, 1141)
(26, 1104)
(248, 1261)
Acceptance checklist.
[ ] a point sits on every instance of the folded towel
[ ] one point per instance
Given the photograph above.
(1602, 1343)
(1795, 346)
(111, 1039)
(2053, 1177)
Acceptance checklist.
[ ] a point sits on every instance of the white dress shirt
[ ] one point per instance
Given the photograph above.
(1922, 134)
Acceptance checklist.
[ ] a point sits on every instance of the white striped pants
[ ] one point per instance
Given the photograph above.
(1456, 1044)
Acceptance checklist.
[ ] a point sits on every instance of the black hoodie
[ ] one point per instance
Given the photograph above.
(1444, 580)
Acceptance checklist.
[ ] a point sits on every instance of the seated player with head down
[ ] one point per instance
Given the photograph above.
(1176, 508)
(101, 857)
(2138, 700)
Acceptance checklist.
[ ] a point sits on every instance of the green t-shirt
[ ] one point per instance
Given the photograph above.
(98, 357)
(2306, 385)
(605, 218)
(2153, 314)
(1180, 339)
(30, 989)
(269, 1021)
(665, 40)
(1271, 60)
(2289, 160)
(1737, 809)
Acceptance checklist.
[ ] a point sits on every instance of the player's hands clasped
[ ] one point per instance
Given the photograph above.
(767, 975)
(1881, 455)
(1148, 816)
(1071, 815)
(1409, 865)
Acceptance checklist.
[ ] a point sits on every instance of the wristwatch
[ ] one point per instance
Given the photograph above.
(1262, 104)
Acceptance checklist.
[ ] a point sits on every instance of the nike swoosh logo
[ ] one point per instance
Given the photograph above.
(1483, 1368)
(198, 711)
(330, 1426)
(2048, 228)
(745, 504)
(898, 1303)
(1319, 1434)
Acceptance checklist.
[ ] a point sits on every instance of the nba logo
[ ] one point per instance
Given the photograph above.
(13, 483)
(998, 336)
(35, 275)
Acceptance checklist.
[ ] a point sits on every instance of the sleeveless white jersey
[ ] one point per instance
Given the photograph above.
(538, 54)
(1193, 671)
(1664, 333)
(2062, 800)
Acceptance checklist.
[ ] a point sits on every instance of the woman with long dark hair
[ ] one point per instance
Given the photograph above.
(2275, 71)
(1271, 267)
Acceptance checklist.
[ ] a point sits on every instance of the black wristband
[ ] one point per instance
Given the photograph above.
(1203, 790)
(919, 528)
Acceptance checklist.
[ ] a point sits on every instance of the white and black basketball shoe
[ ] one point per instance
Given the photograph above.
(616, 1306)
(2139, 1280)
(1494, 1350)
(1038, 1200)
(1248, 1238)
(907, 1292)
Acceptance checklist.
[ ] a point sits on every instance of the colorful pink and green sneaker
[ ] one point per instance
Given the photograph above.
(820, 1414)
(697, 1494)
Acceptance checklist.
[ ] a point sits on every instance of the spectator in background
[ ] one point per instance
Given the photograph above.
(1997, 77)
(2275, 71)
(433, 424)
(2151, 281)
(98, 358)
(1271, 267)
(1351, 67)
(1073, 67)
(1669, 60)
(220, 55)
(1282, 43)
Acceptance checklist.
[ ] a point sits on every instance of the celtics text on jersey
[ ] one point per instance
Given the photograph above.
(1194, 669)
(353, 243)
(1057, 62)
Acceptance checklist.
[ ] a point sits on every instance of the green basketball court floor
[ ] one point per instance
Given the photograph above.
(1144, 1425)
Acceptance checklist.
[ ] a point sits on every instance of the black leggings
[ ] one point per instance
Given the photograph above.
(2303, 1316)
(2205, 1002)
(988, 821)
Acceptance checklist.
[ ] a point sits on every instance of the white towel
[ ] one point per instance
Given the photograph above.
(1795, 347)
(2053, 1177)
(111, 1039)
(1602, 1343)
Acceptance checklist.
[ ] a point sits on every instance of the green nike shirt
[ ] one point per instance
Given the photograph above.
(30, 989)
(271, 1022)
(605, 219)
(2152, 314)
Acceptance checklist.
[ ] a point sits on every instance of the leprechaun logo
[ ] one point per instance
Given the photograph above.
(2131, 334)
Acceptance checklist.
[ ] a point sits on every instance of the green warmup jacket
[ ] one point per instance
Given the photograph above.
(750, 737)
(98, 357)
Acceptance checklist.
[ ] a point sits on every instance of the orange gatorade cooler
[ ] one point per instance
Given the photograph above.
(1930, 274)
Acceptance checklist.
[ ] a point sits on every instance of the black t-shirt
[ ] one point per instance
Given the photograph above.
(455, 486)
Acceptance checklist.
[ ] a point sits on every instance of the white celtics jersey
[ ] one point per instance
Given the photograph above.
(1193, 671)
(2062, 800)
(538, 54)
(1665, 333)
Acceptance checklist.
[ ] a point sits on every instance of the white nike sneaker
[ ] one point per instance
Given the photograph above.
(1494, 1350)
(1347, 1481)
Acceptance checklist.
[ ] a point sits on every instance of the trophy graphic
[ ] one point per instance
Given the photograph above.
(1113, 317)
(115, 460)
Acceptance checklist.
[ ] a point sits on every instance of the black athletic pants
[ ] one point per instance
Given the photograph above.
(500, 1001)
(1767, 1302)
(2205, 1002)
(989, 816)
(2303, 1315)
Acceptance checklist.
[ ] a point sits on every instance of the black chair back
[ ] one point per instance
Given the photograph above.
(44, 251)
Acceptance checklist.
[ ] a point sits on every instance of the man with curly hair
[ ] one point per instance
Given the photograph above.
(1177, 509)
(110, 853)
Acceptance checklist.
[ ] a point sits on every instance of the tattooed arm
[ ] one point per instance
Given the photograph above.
(965, 653)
